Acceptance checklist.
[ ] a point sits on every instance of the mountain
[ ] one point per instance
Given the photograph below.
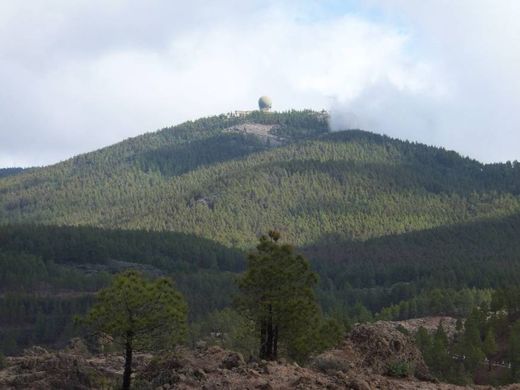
(49, 274)
(443, 270)
(394, 229)
(4, 172)
(231, 178)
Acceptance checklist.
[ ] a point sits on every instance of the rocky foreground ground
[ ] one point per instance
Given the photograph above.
(374, 356)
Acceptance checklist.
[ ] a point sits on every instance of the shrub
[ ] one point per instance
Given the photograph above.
(327, 364)
(403, 330)
(399, 369)
(3, 362)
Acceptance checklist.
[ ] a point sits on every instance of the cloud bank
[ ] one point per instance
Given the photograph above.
(76, 76)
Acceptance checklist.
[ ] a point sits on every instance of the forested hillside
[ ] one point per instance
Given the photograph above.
(49, 274)
(4, 172)
(395, 229)
(422, 273)
(205, 178)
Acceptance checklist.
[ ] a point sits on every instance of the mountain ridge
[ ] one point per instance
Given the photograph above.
(200, 178)
(370, 212)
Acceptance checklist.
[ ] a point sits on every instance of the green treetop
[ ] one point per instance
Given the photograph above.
(514, 351)
(471, 341)
(140, 315)
(277, 294)
(489, 346)
(440, 357)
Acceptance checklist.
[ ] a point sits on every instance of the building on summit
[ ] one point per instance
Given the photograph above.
(264, 104)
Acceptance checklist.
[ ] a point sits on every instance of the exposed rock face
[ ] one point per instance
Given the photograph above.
(430, 324)
(215, 368)
(374, 349)
(362, 362)
(262, 131)
(68, 369)
(381, 345)
(232, 360)
(190, 370)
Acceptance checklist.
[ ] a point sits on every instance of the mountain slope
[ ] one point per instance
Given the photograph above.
(208, 178)
(48, 274)
(4, 172)
(412, 268)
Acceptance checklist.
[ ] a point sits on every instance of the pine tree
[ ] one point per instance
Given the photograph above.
(140, 315)
(471, 342)
(489, 346)
(3, 362)
(440, 357)
(424, 342)
(277, 294)
(514, 351)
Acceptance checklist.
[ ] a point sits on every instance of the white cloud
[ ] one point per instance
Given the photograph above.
(80, 75)
(473, 49)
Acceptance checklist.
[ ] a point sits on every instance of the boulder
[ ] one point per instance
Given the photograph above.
(232, 360)
(380, 345)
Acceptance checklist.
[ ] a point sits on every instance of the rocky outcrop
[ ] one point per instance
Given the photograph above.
(377, 348)
(364, 361)
(381, 347)
(215, 368)
(374, 356)
(430, 324)
(262, 131)
(72, 368)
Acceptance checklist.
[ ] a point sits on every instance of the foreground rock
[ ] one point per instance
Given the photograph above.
(374, 356)
(72, 368)
(430, 324)
(377, 348)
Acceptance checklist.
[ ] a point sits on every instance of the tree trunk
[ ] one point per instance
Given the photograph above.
(269, 355)
(270, 335)
(263, 340)
(275, 342)
(128, 362)
(268, 338)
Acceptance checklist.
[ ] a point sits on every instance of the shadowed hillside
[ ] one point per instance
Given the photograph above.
(48, 273)
(410, 270)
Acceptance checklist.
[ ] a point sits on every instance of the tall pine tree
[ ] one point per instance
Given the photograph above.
(277, 294)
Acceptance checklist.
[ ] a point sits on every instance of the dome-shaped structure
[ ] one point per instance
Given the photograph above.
(265, 103)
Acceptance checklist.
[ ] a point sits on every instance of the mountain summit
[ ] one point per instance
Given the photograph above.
(230, 178)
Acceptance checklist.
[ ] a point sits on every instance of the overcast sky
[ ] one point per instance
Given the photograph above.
(79, 75)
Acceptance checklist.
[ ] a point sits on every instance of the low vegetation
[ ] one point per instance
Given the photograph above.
(485, 347)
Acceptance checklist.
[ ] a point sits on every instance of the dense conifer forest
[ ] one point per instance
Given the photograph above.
(393, 229)
(202, 178)
(4, 172)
